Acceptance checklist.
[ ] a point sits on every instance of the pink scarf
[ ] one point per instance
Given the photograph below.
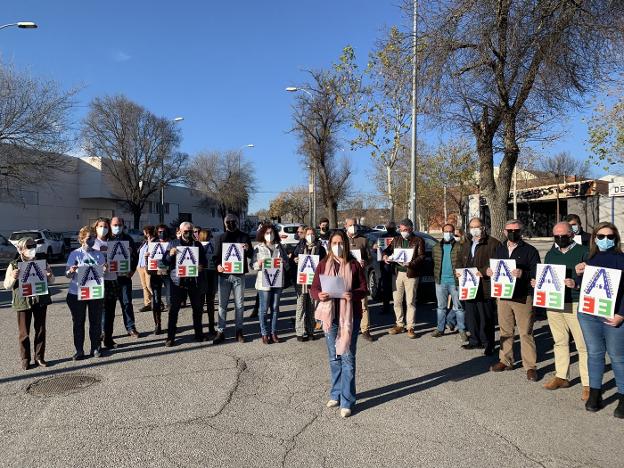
(325, 309)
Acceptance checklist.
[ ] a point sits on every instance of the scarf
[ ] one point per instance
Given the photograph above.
(325, 310)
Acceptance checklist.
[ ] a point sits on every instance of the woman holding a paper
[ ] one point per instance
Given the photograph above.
(601, 312)
(340, 286)
(30, 301)
(269, 259)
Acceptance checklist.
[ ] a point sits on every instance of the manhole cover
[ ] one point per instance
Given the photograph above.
(61, 385)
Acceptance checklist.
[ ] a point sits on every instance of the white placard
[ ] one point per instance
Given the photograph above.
(503, 282)
(187, 261)
(333, 285)
(550, 286)
(599, 290)
(33, 280)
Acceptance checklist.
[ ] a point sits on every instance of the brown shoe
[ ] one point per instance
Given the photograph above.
(274, 338)
(41, 362)
(500, 367)
(532, 375)
(239, 336)
(396, 330)
(368, 337)
(265, 339)
(410, 333)
(133, 333)
(25, 364)
(585, 396)
(556, 383)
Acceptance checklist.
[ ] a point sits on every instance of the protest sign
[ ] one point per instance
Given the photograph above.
(382, 244)
(232, 258)
(90, 280)
(503, 282)
(357, 254)
(550, 286)
(118, 257)
(33, 280)
(468, 283)
(272, 278)
(599, 290)
(187, 261)
(210, 254)
(156, 251)
(402, 255)
(272, 263)
(306, 267)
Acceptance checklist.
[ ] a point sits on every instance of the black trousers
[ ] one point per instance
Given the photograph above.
(386, 287)
(78, 311)
(197, 303)
(480, 321)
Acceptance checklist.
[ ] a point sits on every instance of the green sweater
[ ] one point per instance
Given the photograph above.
(570, 259)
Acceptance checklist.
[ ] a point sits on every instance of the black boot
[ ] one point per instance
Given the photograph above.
(594, 402)
(619, 411)
(157, 322)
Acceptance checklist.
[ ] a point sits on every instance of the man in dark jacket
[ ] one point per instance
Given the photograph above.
(481, 311)
(406, 276)
(229, 282)
(519, 309)
(193, 287)
(577, 229)
(446, 255)
(124, 282)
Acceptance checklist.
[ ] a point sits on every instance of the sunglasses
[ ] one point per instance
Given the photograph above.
(608, 236)
(561, 237)
(514, 230)
(187, 232)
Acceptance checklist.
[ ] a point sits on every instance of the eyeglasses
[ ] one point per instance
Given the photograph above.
(608, 236)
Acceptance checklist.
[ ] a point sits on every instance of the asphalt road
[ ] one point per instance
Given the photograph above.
(423, 402)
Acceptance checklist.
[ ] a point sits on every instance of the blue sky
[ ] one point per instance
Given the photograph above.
(221, 65)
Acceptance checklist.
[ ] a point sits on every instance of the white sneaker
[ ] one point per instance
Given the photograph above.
(345, 412)
(332, 403)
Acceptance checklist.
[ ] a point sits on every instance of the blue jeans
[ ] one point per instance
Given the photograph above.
(456, 316)
(342, 368)
(600, 339)
(227, 284)
(125, 300)
(269, 299)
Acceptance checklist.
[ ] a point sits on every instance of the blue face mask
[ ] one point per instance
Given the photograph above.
(605, 244)
(90, 242)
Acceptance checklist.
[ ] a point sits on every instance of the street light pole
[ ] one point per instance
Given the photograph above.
(414, 151)
(161, 214)
(240, 155)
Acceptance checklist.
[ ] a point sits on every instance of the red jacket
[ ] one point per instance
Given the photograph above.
(359, 288)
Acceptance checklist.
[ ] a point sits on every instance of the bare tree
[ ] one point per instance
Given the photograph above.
(35, 126)
(505, 70)
(320, 116)
(225, 178)
(563, 165)
(138, 149)
(292, 203)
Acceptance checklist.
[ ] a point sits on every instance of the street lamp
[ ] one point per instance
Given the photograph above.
(161, 215)
(21, 25)
(414, 129)
(294, 89)
(240, 155)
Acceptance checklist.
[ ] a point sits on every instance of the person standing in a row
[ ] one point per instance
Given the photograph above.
(29, 309)
(605, 336)
(230, 282)
(210, 277)
(85, 255)
(101, 226)
(481, 311)
(159, 281)
(149, 234)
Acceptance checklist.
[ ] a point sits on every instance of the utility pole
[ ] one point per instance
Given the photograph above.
(414, 151)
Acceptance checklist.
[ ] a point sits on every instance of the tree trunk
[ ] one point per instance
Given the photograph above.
(332, 211)
(390, 194)
(136, 212)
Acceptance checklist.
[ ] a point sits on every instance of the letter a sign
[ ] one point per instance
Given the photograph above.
(599, 290)
(156, 251)
(503, 282)
(550, 287)
(232, 258)
(187, 261)
(468, 283)
(306, 267)
(33, 280)
(118, 255)
(90, 279)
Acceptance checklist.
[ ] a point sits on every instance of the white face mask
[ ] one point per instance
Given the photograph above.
(337, 250)
(310, 238)
(575, 228)
(116, 229)
(448, 236)
(475, 232)
(405, 234)
(29, 254)
(102, 231)
(269, 237)
(351, 230)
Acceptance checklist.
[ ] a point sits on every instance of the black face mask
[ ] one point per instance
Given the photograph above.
(514, 236)
(391, 231)
(563, 241)
(230, 225)
(162, 236)
(187, 236)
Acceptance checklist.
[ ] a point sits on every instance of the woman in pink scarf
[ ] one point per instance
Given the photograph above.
(341, 319)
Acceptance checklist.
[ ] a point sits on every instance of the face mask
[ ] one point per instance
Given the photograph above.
(323, 228)
(351, 230)
(337, 250)
(563, 242)
(448, 236)
(575, 228)
(116, 230)
(102, 231)
(90, 242)
(309, 238)
(187, 236)
(391, 232)
(30, 253)
(230, 225)
(513, 236)
(161, 236)
(475, 232)
(405, 234)
(605, 244)
(269, 237)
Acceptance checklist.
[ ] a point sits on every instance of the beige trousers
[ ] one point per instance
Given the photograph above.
(408, 286)
(510, 315)
(145, 283)
(562, 323)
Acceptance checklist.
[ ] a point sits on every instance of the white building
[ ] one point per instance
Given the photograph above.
(80, 193)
